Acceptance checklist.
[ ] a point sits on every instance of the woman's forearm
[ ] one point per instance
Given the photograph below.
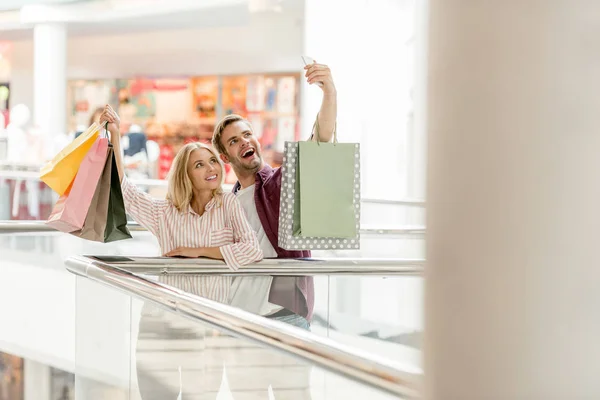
(211, 252)
(110, 121)
(116, 142)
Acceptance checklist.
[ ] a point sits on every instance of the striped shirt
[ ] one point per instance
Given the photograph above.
(223, 226)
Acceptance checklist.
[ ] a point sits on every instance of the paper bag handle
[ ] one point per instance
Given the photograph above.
(106, 131)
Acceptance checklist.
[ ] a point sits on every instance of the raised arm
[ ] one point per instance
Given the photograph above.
(140, 205)
(328, 113)
(109, 115)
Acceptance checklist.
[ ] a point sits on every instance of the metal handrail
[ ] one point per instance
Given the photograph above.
(403, 202)
(355, 364)
(40, 226)
(279, 266)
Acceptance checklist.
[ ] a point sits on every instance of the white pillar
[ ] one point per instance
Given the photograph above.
(50, 77)
(37, 381)
(513, 218)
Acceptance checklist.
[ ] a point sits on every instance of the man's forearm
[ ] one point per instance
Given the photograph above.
(321, 74)
(327, 117)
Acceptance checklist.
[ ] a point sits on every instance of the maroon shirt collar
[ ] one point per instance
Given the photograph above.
(261, 176)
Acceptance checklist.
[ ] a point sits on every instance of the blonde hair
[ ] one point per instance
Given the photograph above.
(220, 127)
(180, 191)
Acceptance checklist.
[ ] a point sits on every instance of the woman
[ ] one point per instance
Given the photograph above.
(196, 219)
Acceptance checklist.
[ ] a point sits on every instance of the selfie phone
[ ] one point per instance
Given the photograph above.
(308, 60)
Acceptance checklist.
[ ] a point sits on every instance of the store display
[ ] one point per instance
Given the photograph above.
(234, 95)
(255, 94)
(11, 377)
(286, 94)
(62, 384)
(136, 99)
(4, 96)
(165, 159)
(173, 112)
(85, 97)
(269, 133)
(256, 120)
(286, 132)
(205, 95)
(172, 100)
(271, 94)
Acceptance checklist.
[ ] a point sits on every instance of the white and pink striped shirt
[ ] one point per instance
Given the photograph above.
(223, 226)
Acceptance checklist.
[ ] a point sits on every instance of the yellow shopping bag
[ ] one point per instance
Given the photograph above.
(60, 172)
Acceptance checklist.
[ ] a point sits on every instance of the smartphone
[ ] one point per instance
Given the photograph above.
(308, 60)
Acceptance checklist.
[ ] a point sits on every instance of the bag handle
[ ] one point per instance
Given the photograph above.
(315, 129)
(106, 130)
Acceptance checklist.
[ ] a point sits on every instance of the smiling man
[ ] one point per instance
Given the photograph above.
(288, 299)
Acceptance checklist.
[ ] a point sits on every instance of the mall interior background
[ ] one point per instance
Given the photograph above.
(173, 68)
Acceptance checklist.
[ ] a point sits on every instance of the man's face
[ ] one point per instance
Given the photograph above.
(243, 149)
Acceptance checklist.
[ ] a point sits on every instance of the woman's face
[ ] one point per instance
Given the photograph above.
(204, 170)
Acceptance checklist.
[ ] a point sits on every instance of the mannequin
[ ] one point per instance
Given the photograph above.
(3, 139)
(17, 137)
(24, 148)
(4, 186)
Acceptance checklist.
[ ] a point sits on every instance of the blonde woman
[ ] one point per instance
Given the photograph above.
(196, 219)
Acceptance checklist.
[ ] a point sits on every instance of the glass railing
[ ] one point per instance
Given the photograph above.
(137, 337)
(378, 309)
(386, 308)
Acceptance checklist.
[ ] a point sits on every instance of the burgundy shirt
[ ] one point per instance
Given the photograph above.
(297, 294)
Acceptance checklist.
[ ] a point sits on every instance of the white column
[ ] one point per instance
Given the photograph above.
(37, 381)
(50, 77)
(513, 217)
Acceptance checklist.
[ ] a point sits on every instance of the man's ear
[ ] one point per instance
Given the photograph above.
(224, 158)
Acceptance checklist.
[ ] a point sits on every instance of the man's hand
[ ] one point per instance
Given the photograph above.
(188, 252)
(320, 73)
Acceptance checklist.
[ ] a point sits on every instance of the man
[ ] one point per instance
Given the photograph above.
(290, 299)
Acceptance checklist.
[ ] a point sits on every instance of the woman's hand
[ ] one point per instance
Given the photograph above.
(188, 252)
(109, 115)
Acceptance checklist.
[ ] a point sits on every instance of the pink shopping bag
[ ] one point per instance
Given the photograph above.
(71, 209)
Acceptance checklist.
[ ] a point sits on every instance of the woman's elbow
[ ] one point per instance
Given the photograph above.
(259, 255)
(253, 256)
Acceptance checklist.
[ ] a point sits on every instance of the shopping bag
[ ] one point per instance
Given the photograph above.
(70, 211)
(320, 196)
(326, 175)
(116, 222)
(59, 173)
(95, 220)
